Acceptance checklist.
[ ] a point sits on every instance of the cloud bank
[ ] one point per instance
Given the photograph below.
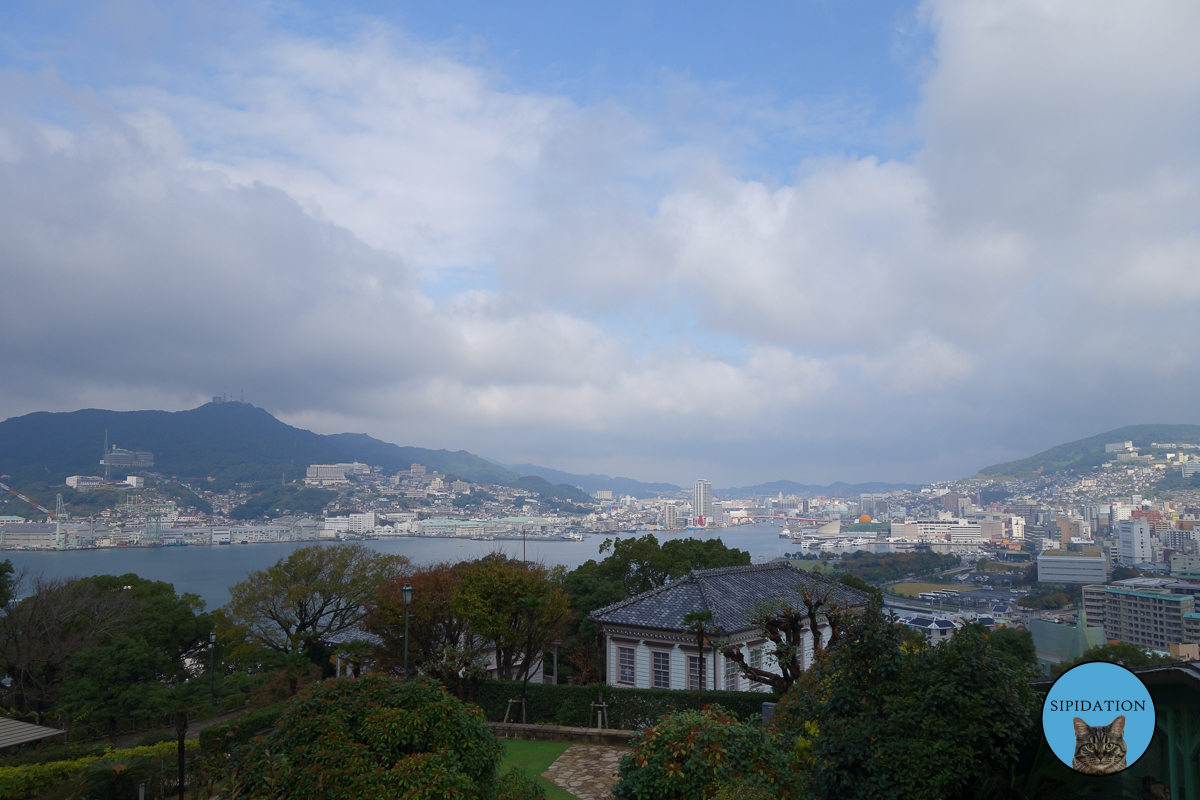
(372, 235)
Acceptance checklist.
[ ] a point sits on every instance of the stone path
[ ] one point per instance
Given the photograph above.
(588, 771)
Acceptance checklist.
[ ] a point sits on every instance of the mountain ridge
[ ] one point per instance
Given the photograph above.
(1089, 452)
(228, 442)
(593, 483)
(837, 489)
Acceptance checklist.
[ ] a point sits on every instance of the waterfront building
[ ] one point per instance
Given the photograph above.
(649, 646)
(702, 501)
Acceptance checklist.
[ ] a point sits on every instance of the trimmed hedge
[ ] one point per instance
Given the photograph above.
(628, 709)
(16, 782)
(224, 738)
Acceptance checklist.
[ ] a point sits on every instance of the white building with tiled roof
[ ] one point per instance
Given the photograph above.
(648, 645)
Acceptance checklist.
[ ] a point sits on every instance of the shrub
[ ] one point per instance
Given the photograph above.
(156, 737)
(693, 753)
(372, 737)
(629, 709)
(22, 781)
(231, 735)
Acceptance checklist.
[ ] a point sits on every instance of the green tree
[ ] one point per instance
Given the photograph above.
(898, 720)
(181, 700)
(587, 592)
(125, 675)
(641, 564)
(783, 621)
(519, 607)
(1127, 655)
(700, 625)
(1016, 645)
(356, 652)
(41, 632)
(1123, 574)
(434, 623)
(688, 754)
(315, 592)
(374, 737)
(7, 582)
(855, 582)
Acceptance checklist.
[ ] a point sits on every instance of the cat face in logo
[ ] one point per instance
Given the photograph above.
(1099, 749)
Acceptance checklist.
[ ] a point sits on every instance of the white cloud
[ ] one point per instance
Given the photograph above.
(269, 228)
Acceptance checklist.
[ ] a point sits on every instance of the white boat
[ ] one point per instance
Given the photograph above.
(785, 534)
(572, 536)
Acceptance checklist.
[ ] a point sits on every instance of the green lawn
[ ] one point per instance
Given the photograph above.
(534, 758)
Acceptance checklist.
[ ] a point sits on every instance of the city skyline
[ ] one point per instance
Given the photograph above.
(861, 243)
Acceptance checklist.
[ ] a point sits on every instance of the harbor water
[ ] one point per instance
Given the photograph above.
(209, 571)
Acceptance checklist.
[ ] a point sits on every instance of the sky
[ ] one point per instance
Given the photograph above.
(856, 241)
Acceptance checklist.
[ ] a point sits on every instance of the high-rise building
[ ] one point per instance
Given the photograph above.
(1134, 538)
(671, 517)
(702, 501)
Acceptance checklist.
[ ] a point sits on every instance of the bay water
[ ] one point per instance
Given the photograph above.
(210, 571)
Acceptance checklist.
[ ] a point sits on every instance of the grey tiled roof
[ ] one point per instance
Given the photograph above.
(731, 593)
(353, 635)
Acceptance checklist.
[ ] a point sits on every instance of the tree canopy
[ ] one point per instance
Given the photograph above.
(315, 592)
(519, 607)
(375, 737)
(101, 649)
(1127, 655)
(898, 719)
(641, 564)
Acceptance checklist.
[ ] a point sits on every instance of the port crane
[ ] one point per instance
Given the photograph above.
(39, 507)
(56, 517)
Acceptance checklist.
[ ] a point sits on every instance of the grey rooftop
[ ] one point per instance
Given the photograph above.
(730, 593)
(14, 732)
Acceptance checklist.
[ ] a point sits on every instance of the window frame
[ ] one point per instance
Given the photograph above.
(655, 669)
(697, 681)
(731, 675)
(622, 666)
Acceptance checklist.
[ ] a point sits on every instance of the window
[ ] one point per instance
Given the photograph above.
(625, 663)
(756, 662)
(662, 670)
(697, 672)
(731, 675)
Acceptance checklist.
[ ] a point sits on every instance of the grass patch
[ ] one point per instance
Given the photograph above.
(534, 758)
(913, 589)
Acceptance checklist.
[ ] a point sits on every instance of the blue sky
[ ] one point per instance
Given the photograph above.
(852, 241)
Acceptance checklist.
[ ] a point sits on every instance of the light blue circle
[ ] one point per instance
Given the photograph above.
(1097, 693)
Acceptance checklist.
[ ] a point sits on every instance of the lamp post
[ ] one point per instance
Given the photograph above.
(212, 666)
(407, 594)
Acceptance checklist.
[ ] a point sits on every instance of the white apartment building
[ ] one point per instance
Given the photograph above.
(671, 516)
(1061, 566)
(362, 523)
(1133, 536)
(938, 530)
(84, 483)
(325, 475)
(702, 501)
(334, 527)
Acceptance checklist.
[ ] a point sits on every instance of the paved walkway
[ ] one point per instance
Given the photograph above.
(588, 771)
(193, 731)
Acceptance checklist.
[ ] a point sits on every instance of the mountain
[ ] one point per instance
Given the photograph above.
(838, 489)
(543, 487)
(229, 442)
(594, 483)
(1087, 453)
